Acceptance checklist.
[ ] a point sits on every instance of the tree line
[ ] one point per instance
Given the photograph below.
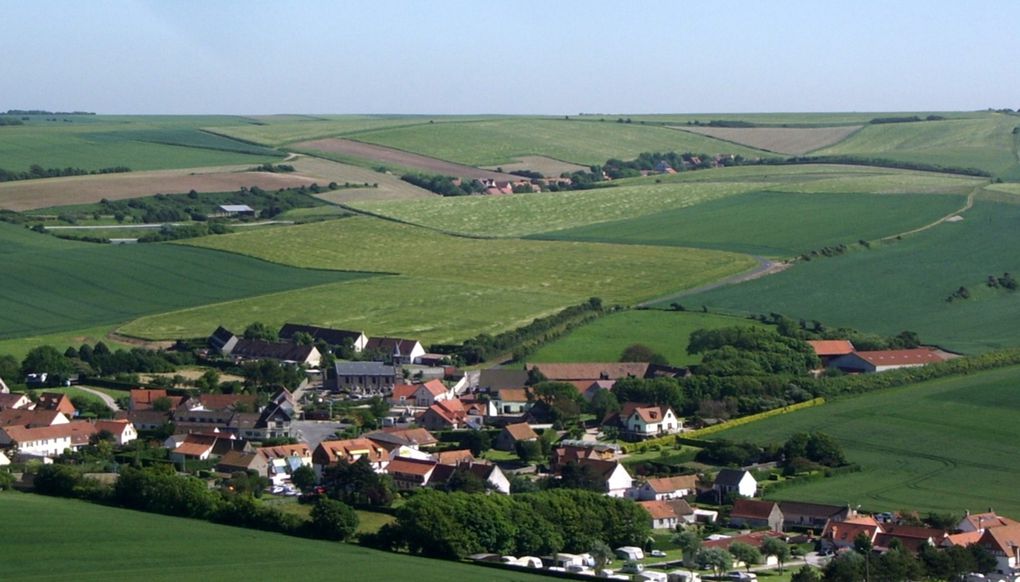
(35, 171)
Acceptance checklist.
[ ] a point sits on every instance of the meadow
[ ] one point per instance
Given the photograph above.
(903, 285)
(125, 544)
(784, 140)
(140, 143)
(498, 141)
(985, 142)
(773, 224)
(277, 130)
(604, 339)
(54, 285)
(616, 273)
(945, 445)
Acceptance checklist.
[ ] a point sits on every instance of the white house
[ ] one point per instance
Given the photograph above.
(614, 477)
(14, 401)
(663, 488)
(4, 460)
(122, 430)
(403, 351)
(663, 514)
(735, 481)
(430, 392)
(3, 387)
(649, 421)
(43, 441)
(509, 401)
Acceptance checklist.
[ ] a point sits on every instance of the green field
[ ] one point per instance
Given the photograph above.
(140, 143)
(604, 339)
(426, 309)
(488, 143)
(275, 130)
(985, 142)
(815, 119)
(772, 223)
(945, 445)
(130, 545)
(616, 273)
(53, 285)
(903, 285)
(525, 214)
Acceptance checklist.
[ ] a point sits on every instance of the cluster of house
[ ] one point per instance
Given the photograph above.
(46, 428)
(841, 355)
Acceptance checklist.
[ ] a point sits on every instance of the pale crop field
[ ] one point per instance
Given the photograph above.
(784, 140)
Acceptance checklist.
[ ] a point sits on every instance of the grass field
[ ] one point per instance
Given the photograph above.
(387, 187)
(53, 285)
(20, 346)
(140, 143)
(426, 309)
(792, 119)
(617, 273)
(903, 285)
(275, 130)
(784, 140)
(489, 143)
(985, 142)
(126, 544)
(604, 339)
(771, 223)
(525, 214)
(944, 445)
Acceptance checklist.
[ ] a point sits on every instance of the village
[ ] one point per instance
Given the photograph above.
(425, 423)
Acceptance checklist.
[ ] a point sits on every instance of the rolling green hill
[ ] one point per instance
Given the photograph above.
(61, 539)
(944, 445)
(903, 285)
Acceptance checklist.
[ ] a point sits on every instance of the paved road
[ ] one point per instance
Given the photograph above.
(106, 398)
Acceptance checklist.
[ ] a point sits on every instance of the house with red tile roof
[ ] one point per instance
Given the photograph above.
(430, 392)
(752, 513)
(143, 399)
(43, 441)
(393, 437)
(349, 451)
(512, 434)
(567, 451)
(509, 402)
(663, 514)
(982, 521)
(880, 361)
(1004, 543)
(403, 395)
(648, 421)
(841, 534)
(911, 538)
(454, 457)
(444, 415)
(410, 474)
(58, 402)
(663, 488)
(829, 350)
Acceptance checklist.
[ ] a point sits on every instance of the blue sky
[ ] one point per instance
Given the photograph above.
(191, 56)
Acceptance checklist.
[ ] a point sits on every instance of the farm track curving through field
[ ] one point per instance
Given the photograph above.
(967, 206)
(764, 268)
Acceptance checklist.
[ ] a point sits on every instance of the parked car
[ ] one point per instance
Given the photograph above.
(743, 576)
(658, 554)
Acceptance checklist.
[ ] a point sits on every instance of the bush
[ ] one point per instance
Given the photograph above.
(333, 520)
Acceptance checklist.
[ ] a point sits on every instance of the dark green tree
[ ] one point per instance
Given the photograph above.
(333, 520)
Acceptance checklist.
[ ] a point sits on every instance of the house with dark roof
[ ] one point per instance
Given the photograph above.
(16, 400)
(512, 434)
(307, 356)
(814, 516)
(333, 337)
(488, 473)
(122, 430)
(591, 371)
(239, 461)
(393, 438)
(147, 420)
(612, 475)
(365, 378)
(402, 351)
(568, 451)
(3, 387)
(223, 340)
(32, 418)
(751, 513)
(495, 379)
(56, 401)
(735, 481)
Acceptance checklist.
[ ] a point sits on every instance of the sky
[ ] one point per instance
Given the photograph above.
(511, 57)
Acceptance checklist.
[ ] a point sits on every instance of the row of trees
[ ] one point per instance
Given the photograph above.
(35, 171)
(456, 525)
(444, 185)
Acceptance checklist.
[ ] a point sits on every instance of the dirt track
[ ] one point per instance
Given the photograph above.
(32, 194)
(401, 158)
(784, 140)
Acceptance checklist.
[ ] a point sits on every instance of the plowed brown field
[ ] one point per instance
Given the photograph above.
(346, 147)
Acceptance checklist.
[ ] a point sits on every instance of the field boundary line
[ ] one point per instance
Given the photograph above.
(764, 268)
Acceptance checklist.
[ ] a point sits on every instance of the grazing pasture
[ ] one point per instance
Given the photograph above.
(784, 140)
(616, 273)
(144, 546)
(54, 285)
(525, 214)
(604, 339)
(277, 130)
(945, 445)
(20, 346)
(772, 223)
(48, 192)
(427, 309)
(985, 142)
(379, 155)
(903, 285)
(501, 141)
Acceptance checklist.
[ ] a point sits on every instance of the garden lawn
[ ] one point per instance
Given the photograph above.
(772, 223)
(616, 273)
(945, 445)
(60, 539)
(604, 339)
(903, 285)
(53, 285)
(489, 143)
